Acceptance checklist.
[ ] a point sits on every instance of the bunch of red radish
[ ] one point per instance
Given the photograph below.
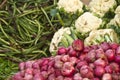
(96, 62)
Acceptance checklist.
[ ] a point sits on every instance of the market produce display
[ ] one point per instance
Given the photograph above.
(60, 40)
(76, 62)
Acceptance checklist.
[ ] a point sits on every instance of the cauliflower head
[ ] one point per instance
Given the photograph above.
(70, 6)
(87, 22)
(117, 11)
(100, 7)
(101, 35)
(115, 21)
(57, 38)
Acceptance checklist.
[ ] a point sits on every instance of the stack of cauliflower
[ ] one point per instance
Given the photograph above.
(91, 23)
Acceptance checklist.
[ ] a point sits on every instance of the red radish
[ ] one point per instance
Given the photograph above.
(118, 50)
(28, 74)
(105, 46)
(65, 58)
(117, 59)
(95, 79)
(38, 77)
(100, 62)
(35, 65)
(51, 77)
(68, 78)
(51, 70)
(28, 64)
(77, 76)
(86, 72)
(99, 71)
(60, 78)
(85, 79)
(44, 74)
(115, 67)
(73, 60)
(87, 49)
(100, 53)
(113, 45)
(107, 76)
(91, 65)
(58, 72)
(61, 50)
(80, 64)
(22, 66)
(115, 76)
(45, 61)
(78, 45)
(73, 53)
(82, 56)
(108, 69)
(94, 47)
(91, 56)
(58, 64)
(67, 69)
(36, 71)
(110, 54)
(17, 76)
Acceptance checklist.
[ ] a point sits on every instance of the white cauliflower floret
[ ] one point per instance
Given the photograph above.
(70, 6)
(115, 21)
(100, 7)
(57, 38)
(97, 36)
(87, 22)
(117, 11)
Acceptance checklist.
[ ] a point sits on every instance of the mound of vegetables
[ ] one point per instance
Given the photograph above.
(76, 62)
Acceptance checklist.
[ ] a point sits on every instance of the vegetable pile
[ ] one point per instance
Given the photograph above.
(76, 62)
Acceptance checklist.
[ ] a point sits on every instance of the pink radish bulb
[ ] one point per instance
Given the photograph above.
(87, 49)
(60, 78)
(22, 66)
(86, 72)
(28, 74)
(85, 79)
(68, 69)
(36, 71)
(108, 69)
(65, 58)
(113, 45)
(117, 59)
(57, 72)
(80, 64)
(91, 56)
(100, 62)
(99, 71)
(77, 76)
(17, 76)
(100, 53)
(91, 65)
(105, 46)
(61, 50)
(115, 76)
(78, 45)
(107, 76)
(95, 78)
(29, 64)
(38, 77)
(51, 77)
(118, 50)
(44, 74)
(94, 47)
(73, 53)
(45, 61)
(35, 65)
(82, 56)
(115, 67)
(110, 54)
(58, 64)
(68, 78)
(73, 60)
